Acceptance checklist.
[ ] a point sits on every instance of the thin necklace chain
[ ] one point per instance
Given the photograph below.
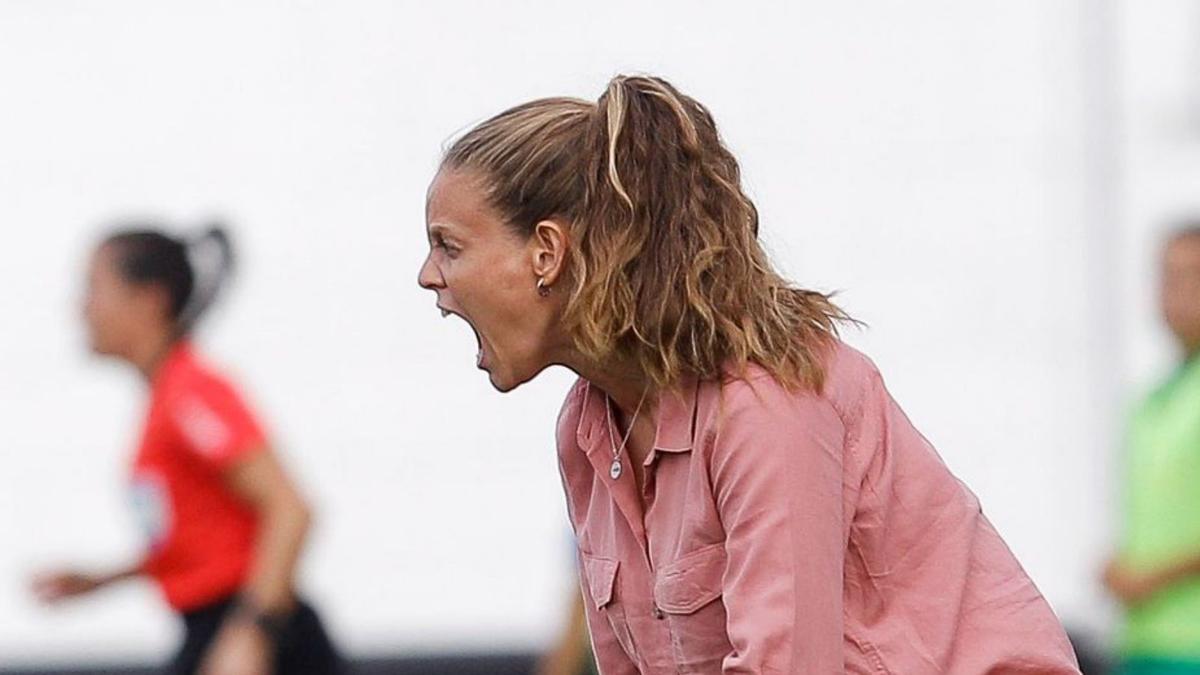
(616, 467)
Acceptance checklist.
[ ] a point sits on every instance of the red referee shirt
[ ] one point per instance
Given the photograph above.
(201, 535)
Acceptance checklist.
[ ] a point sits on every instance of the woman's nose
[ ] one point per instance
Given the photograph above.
(430, 277)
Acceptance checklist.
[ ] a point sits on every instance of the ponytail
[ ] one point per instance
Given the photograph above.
(210, 256)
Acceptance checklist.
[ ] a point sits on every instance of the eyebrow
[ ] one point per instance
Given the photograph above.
(444, 230)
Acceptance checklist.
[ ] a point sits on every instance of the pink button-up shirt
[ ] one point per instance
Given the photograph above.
(788, 532)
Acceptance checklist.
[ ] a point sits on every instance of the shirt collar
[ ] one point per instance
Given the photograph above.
(676, 418)
(674, 426)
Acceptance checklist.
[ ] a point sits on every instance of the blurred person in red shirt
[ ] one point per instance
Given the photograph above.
(225, 524)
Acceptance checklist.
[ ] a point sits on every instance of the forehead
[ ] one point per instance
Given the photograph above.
(1184, 248)
(457, 202)
(102, 269)
(103, 259)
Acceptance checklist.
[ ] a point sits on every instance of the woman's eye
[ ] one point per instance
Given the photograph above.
(449, 249)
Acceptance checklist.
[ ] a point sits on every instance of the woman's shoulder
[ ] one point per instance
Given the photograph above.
(848, 375)
(193, 376)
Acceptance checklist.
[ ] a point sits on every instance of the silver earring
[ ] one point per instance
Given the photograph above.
(542, 289)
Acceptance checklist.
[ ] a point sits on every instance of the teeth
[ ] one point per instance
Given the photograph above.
(445, 313)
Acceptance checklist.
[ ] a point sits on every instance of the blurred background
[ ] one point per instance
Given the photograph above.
(985, 184)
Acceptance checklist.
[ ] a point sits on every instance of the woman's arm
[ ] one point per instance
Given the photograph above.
(58, 585)
(243, 646)
(284, 520)
(1133, 586)
(777, 479)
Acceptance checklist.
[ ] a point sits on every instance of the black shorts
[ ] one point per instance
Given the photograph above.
(304, 648)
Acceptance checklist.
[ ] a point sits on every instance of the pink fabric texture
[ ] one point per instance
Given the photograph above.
(786, 532)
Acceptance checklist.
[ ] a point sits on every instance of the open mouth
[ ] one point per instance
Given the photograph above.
(480, 353)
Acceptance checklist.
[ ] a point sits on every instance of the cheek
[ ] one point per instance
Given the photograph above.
(105, 311)
(513, 295)
(494, 287)
(95, 305)
(99, 317)
(1181, 291)
(506, 312)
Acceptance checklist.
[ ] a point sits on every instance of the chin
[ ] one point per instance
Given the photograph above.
(503, 387)
(504, 382)
(508, 381)
(98, 349)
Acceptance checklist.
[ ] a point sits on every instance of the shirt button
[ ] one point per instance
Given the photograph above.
(658, 614)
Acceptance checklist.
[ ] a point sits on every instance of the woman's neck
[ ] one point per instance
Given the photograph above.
(149, 353)
(624, 383)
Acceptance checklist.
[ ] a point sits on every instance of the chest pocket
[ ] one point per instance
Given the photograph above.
(601, 576)
(688, 593)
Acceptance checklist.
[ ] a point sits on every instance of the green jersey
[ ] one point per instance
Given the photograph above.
(1162, 516)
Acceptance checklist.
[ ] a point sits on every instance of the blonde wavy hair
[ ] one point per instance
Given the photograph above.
(666, 269)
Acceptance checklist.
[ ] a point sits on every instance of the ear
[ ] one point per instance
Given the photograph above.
(548, 250)
(154, 300)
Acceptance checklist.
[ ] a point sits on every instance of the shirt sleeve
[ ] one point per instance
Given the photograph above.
(214, 422)
(777, 479)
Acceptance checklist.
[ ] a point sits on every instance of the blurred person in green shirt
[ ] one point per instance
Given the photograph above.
(1155, 573)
